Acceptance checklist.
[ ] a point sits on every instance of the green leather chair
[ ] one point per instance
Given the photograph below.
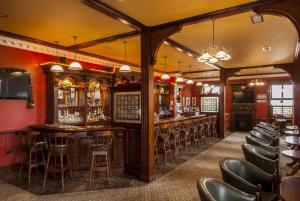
(268, 139)
(211, 189)
(249, 178)
(257, 142)
(254, 156)
(267, 126)
(266, 132)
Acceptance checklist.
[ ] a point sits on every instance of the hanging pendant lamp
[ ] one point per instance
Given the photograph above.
(165, 76)
(56, 68)
(75, 65)
(179, 79)
(199, 84)
(125, 68)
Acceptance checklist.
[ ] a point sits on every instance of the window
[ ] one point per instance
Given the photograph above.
(209, 104)
(282, 99)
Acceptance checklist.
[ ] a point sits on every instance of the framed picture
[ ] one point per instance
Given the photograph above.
(194, 101)
(183, 101)
(187, 101)
(127, 107)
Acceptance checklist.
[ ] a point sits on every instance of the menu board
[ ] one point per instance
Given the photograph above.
(127, 107)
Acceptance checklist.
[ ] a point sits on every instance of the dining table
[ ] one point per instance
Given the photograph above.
(293, 141)
(289, 189)
(295, 164)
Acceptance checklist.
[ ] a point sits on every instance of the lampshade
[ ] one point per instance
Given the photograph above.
(199, 84)
(213, 60)
(190, 82)
(165, 76)
(75, 66)
(56, 68)
(125, 69)
(206, 85)
(179, 79)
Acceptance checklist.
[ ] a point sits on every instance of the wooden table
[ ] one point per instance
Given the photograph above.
(291, 132)
(295, 164)
(293, 140)
(291, 127)
(289, 189)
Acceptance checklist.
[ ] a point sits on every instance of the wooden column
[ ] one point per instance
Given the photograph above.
(151, 40)
(223, 81)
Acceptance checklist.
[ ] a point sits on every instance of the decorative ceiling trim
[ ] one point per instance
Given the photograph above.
(30, 46)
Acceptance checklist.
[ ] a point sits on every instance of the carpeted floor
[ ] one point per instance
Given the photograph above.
(178, 184)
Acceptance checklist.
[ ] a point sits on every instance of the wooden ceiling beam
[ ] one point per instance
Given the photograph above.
(53, 45)
(115, 14)
(216, 14)
(258, 66)
(193, 72)
(104, 40)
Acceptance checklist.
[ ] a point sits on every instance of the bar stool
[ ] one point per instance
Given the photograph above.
(100, 144)
(156, 155)
(57, 147)
(214, 127)
(194, 136)
(176, 145)
(208, 128)
(164, 145)
(32, 146)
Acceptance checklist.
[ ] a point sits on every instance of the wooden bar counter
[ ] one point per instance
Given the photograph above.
(167, 122)
(79, 152)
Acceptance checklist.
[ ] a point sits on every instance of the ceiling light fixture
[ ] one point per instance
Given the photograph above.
(179, 79)
(165, 76)
(56, 68)
(75, 65)
(267, 48)
(214, 53)
(190, 82)
(199, 84)
(125, 68)
(257, 18)
(256, 82)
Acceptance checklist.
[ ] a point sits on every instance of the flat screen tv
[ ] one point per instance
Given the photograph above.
(243, 97)
(14, 84)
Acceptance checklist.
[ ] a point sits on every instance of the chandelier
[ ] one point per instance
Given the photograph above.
(256, 82)
(214, 53)
(165, 76)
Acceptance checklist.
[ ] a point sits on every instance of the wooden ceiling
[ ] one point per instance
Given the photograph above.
(56, 20)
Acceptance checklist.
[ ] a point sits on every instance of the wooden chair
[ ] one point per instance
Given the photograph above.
(57, 147)
(33, 147)
(100, 144)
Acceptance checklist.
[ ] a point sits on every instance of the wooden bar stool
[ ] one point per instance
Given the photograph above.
(57, 147)
(156, 154)
(100, 144)
(32, 146)
(214, 127)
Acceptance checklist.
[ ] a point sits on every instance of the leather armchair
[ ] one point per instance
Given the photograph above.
(267, 126)
(257, 142)
(268, 139)
(266, 132)
(248, 178)
(211, 189)
(254, 156)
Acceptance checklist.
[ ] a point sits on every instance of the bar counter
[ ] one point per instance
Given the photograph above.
(178, 120)
(78, 147)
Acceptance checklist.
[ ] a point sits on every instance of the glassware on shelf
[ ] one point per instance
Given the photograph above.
(65, 117)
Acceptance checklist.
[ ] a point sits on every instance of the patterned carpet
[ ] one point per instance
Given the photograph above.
(179, 184)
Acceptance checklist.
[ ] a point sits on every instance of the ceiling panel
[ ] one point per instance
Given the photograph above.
(157, 11)
(57, 20)
(116, 50)
(244, 40)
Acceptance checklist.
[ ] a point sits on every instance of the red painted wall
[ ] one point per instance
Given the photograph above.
(13, 113)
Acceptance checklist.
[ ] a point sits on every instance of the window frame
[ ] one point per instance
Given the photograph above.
(279, 99)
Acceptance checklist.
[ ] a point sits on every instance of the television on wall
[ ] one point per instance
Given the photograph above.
(14, 84)
(243, 97)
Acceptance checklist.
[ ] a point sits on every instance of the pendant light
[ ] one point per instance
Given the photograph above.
(199, 84)
(75, 65)
(56, 68)
(189, 82)
(179, 79)
(256, 81)
(125, 68)
(165, 76)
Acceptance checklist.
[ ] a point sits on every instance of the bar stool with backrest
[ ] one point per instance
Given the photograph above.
(32, 146)
(100, 144)
(57, 148)
(214, 127)
(156, 154)
(164, 144)
(175, 141)
(207, 129)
